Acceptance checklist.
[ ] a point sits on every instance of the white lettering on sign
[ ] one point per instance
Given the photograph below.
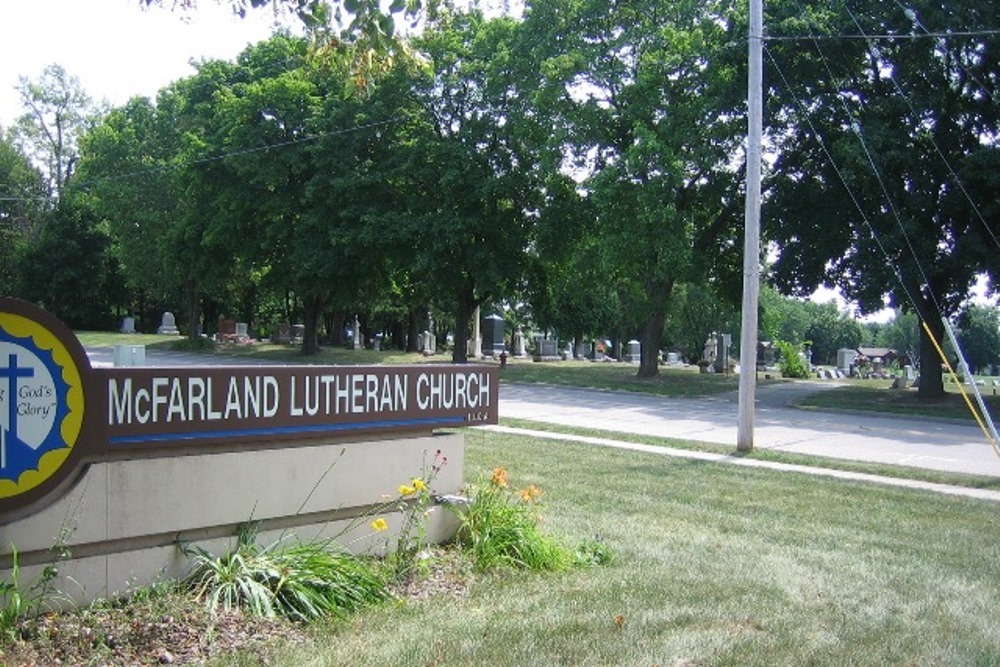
(163, 399)
(190, 399)
(463, 391)
(355, 393)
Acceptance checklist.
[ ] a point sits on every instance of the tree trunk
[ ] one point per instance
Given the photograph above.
(313, 307)
(413, 330)
(193, 308)
(463, 314)
(931, 382)
(652, 329)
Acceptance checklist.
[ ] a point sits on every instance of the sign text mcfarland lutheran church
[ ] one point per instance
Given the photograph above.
(157, 405)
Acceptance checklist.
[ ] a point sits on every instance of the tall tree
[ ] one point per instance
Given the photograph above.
(467, 173)
(128, 165)
(647, 100)
(67, 267)
(57, 112)
(886, 176)
(23, 203)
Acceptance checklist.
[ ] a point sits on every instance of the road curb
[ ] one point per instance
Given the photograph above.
(945, 489)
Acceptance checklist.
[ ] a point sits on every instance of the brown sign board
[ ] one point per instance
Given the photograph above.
(58, 414)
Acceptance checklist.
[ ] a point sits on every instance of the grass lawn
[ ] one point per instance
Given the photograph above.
(714, 565)
(879, 398)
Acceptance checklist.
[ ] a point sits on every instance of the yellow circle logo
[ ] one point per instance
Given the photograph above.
(41, 404)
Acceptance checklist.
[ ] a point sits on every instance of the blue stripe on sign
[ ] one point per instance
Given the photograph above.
(283, 430)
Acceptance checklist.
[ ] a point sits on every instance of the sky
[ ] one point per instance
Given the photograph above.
(116, 48)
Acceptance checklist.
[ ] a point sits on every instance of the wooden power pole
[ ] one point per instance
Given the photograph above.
(751, 233)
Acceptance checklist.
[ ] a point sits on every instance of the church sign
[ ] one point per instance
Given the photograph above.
(58, 414)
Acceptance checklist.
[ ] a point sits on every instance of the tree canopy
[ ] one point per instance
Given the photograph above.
(885, 178)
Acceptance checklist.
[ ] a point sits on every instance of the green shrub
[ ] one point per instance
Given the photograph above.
(304, 581)
(791, 364)
(499, 528)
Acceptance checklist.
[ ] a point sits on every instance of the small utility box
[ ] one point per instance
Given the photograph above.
(130, 355)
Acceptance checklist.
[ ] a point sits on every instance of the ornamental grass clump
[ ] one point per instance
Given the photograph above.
(500, 528)
(302, 582)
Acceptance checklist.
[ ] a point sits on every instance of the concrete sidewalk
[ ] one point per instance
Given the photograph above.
(935, 445)
(980, 494)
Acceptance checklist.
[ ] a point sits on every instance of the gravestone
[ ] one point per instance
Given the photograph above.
(128, 325)
(168, 325)
(845, 359)
(242, 329)
(634, 353)
(298, 332)
(546, 349)
(356, 341)
(673, 358)
(493, 335)
(429, 343)
(282, 334)
(475, 344)
(584, 351)
(519, 350)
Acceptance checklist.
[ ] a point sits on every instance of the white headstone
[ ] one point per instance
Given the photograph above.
(356, 335)
(168, 325)
(128, 325)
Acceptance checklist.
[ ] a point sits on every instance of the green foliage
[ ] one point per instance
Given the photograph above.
(499, 528)
(979, 336)
(18, 602)
(67, 267)
(303, 581)
(791, 364)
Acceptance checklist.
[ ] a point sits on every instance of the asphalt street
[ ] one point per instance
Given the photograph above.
(937, 445)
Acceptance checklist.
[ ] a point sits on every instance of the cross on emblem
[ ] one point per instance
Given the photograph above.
(12, 373)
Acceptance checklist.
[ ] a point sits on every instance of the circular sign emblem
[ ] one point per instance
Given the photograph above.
(41, 404)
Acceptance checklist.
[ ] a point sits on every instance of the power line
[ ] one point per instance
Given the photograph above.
(884, 36)
(222, 156)
(937, 149)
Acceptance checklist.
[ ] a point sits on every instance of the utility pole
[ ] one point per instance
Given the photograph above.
(751, 232)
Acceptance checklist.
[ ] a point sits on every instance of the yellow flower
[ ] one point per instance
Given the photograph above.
(530, 493)
(405, 490)
(418, 484)
(379, 525)
(499, 477)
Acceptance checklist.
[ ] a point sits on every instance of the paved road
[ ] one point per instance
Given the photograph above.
(926, 444)
(912, 442)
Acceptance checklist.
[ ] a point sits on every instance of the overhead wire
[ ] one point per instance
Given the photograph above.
(991, 432)
(937, 149)
(856, 128)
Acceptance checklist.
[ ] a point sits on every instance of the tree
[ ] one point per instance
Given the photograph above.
(646, 100)
(23, 202)
(979, 336)
(465, 173)
(67, 267)
(902, 129)
(58, 112)
(830, 330)
(128, 166)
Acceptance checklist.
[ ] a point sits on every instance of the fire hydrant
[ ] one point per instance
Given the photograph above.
(503, 359)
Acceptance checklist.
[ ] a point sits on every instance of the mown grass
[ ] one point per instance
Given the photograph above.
(714, 565)
(777, 456)
(288, 354)
(681, 381)
(885, 400)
